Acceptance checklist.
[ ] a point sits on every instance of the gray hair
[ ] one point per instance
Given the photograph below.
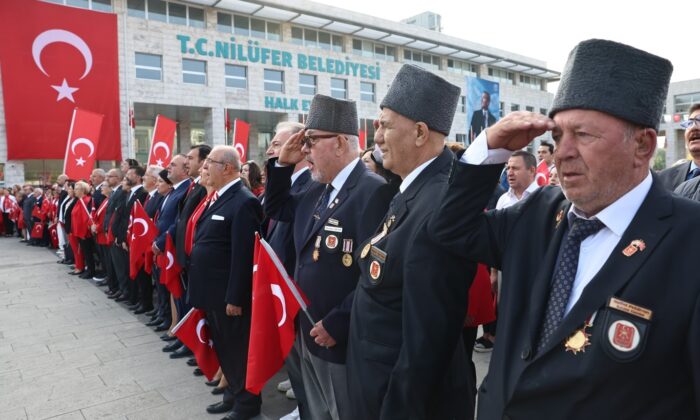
(154, 171)
(229, 155)
(354, 142)
(99, 172)
(291, 126)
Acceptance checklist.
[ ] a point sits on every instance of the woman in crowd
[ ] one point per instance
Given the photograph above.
(81, 220)
(252, 172)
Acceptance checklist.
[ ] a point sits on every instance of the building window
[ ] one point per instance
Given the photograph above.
(461, 138)
(367, 91)
(149, 66)
(530, 108)
(194, 71)
(136, 8)
(503, 75)
(177, 14)
(317, 39)
(157, 10)
(339, 88)
(307, 84)
(463, 104)
(514, 107)
(101, 5)
(274, 81)
(247, 26)
(682, 103)
(371, 49)
(530, 82)
(501, 109)
(461, 67)
(236, 76)
(543, 111)
(425, 60)
(195, 17)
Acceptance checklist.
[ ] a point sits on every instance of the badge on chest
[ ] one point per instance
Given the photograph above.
(331, 241)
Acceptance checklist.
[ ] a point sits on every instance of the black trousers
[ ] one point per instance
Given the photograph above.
(145, 289)
(9, 224)
(120, 262)
(164, 309)
(103, 252)
(469, 338)
(88, 247)
(231, 335)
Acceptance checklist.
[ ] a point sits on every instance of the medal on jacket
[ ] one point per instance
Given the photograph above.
(347, 250)
(316, 254)
(365, 251)
(579, 340)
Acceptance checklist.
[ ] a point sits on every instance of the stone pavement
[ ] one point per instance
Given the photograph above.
(67, 352)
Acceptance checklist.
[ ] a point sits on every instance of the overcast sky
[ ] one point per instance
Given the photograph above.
(549, 29)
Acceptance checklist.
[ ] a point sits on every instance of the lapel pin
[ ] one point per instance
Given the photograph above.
(560, 216)
(633, 247)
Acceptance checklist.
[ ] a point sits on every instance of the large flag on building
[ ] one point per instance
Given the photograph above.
(193, 331)
(542, 174)
(162, 142)
(143, 233)
(240, 137)
(276, 302)
(53, 59)
(83, 140)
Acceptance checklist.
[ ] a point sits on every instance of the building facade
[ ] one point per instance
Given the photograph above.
(262, 62)
(681, 96)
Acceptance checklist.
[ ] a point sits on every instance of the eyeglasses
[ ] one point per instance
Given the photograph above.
(691, 122)
(310, 141)
(209, 161)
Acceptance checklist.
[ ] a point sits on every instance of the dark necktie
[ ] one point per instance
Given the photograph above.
(323, 201)
(486, 119)
(692, 174)
(564, 275)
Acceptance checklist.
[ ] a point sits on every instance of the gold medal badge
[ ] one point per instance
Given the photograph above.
(365, 251)
(347, 260)
(579, 340)
(347, 249)
(316, 254)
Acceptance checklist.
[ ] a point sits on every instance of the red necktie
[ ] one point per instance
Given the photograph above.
(192, 224)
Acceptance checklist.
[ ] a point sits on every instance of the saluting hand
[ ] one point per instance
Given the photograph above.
(322, 337)
(517, 129)
(290, 153)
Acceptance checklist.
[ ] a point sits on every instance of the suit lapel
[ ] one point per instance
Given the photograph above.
(651, 224)
(220, 202)
(338, 201)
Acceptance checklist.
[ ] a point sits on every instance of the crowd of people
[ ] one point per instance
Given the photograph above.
(405, 249)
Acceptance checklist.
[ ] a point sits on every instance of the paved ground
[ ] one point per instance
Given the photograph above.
(68, 352)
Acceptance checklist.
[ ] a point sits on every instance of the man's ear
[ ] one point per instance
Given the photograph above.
(422, 133)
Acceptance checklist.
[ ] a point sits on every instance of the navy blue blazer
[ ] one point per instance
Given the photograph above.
(327, 283)
(280, 235)
(221, 263)
(168, 213)
(153, 204)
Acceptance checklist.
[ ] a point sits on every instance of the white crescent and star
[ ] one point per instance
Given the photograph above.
(239, 149)
(277, 292)
(59, 35)
(540, 176)
(171, 260)
(202, 322)
(161, 145)
(142, 223)
(83, 140)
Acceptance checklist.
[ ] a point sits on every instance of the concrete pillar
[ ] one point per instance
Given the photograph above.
(184, 136)
(214, 126)
(14, 172)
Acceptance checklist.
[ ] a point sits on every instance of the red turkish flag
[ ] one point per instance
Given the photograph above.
(240, 137)
(193, 331)
(276, 302)
(542, 174)
(56, 58)
(170, 269)
(162, 142)
(363, 139)
(140, 239)
(83, 139)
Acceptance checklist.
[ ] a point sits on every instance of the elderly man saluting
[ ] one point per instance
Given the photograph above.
(600, 304)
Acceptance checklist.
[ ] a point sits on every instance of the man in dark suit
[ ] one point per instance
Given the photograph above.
(600, 303)
(141, 288)
(221, 273)
(27, 206)
(674, 176)
(167, 215)
(280, 236)
(97, 177)
(481, 118)
(119, 265)
(338, 212)
(405, 357)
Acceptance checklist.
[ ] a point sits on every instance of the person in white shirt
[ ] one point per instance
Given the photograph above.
(520, 171)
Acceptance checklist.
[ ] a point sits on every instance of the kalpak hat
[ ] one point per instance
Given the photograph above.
(616, 79)
(420, 95)
(333, 115)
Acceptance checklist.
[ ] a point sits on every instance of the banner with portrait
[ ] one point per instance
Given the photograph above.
(483, 109)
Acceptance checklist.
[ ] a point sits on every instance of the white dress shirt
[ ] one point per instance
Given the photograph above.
(298, 173)
(509, 198)
(225, 188)
(414, 174)
(340, 179)
(596, 249)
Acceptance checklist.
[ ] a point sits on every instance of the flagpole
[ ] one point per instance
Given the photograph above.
(287, 280)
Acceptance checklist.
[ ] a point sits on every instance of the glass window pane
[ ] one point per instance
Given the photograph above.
(307, 84)
(148, 60)
(297, 35)
(196, 17)
(223, 22)
(274, 80)
(178, 13)
(379, 50)
(197, 79)
(310, 38)
(337, 43)
(236, 76)
(338, 88)
(391, 53)
(136, 8)
(78, 3)
(324, 40)
(240, 25)
(194, 65)
(356, 46)
(406, 54)
(102, 5)
(237, 71)
(148, 66)
(257, 28)
(273, 31)
(149, 74)
(157, 10)
(367, 91)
